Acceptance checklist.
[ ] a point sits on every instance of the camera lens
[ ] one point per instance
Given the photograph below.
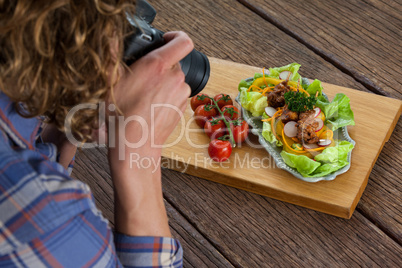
(195, 67)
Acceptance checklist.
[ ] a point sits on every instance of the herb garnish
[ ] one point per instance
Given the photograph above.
(298, 102)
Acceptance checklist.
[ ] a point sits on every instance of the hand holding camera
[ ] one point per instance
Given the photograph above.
(155, 78)
(195, 65)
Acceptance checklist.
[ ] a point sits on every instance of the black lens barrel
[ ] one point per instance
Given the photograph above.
(196, 68)
(146, 38)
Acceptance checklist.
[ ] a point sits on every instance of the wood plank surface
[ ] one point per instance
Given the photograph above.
(230, 227)
(362, 38)
(227, 30)
(91, 167)
(254, 231)
(226, 227)
(381, 202)
(247, 169)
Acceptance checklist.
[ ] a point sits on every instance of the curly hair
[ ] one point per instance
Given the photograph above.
(55, 54)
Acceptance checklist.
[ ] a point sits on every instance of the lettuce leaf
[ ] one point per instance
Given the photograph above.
(302, 163)
(267, 132)
(259, 75)
(293, 68)
(326, 169)
(338, 153)
(338, 112)
(314, 87)
(244, 84)
(253, 102)
(331, 159)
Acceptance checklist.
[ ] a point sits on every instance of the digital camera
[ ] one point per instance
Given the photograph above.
(146, 38)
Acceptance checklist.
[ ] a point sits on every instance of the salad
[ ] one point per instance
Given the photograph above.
(297, 116)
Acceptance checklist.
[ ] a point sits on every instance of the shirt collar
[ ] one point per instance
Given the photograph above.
(23, 131)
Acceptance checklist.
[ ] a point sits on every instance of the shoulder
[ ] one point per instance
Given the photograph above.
(36, 196)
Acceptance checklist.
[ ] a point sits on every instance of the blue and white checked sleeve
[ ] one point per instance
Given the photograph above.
(48, 219)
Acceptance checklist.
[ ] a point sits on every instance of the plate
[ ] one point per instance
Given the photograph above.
(274, 151)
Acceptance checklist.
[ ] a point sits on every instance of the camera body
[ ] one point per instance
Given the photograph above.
(146, 38)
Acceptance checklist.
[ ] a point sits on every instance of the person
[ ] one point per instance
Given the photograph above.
(56, 55)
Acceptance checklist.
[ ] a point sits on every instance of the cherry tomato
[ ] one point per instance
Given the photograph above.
(215, 128)
(203, 113)
(223, 100)
(231, 112)
(240, 130)
(199, 99)
(219, 150)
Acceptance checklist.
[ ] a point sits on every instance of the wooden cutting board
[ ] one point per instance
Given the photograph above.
(253, 170)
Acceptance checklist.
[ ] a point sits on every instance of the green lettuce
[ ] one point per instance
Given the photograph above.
(302, 163)
(253, 102)
(259, 75)
(331, 159)
(315, 87)
(267, 132)
(326, 169)
(274, 73)
(244, 84)
(293, 68)
(338, 112)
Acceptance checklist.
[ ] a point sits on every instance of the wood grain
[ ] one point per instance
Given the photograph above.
(382, 199)
(227, 30)
(225, 227)
(91, 167)
(254, 231)
(362, 38)
(253, 170)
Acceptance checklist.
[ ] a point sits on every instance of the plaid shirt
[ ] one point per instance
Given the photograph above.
(48, 219)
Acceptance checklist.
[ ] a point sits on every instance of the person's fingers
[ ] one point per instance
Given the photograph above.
(176, 66)
(187, 91)
(178, 45)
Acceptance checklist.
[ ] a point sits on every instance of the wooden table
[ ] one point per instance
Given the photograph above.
(355, 44)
